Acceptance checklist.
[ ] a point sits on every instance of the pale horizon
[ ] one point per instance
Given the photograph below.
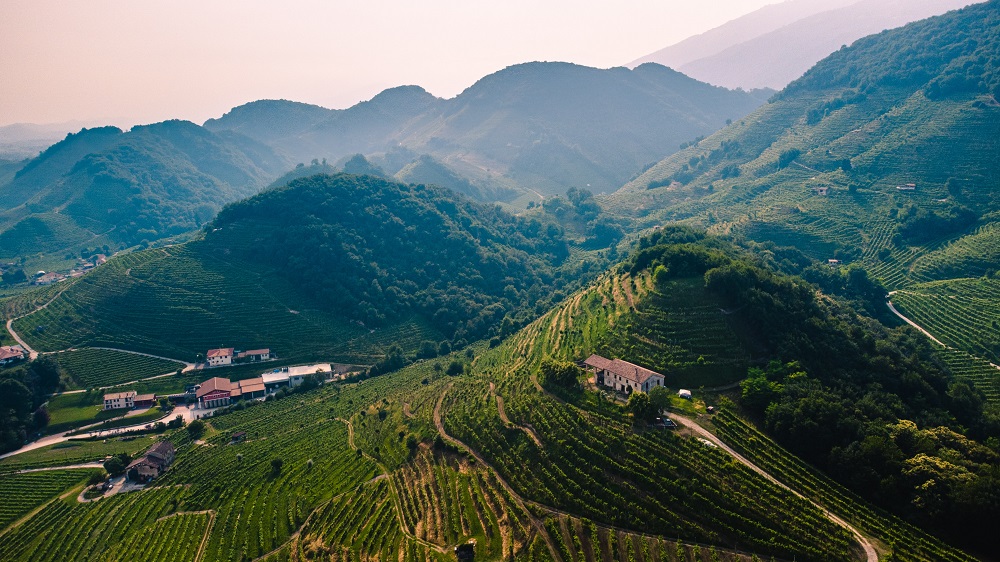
(125, 64)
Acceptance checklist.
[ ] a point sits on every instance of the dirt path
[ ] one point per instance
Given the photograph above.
(870, 553)
(506, 420)
(535, 522)
(394, 494)
(912, 323)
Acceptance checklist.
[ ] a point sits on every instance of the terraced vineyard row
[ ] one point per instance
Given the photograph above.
(907, 541)
(580, 540)
(979, 372)
(962, 313)
(975, 255)
(22, 493)
(64, 531)
(175, 537)
(594, 467)
(96, 368)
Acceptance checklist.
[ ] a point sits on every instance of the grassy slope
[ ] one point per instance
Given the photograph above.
(202, 301)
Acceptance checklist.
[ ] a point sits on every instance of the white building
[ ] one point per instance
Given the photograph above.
(622, 375)
(221, 356)
(119, 400)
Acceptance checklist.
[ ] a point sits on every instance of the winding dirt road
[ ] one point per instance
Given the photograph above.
(870, 553)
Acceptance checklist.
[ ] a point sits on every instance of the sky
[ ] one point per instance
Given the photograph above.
(125, 62)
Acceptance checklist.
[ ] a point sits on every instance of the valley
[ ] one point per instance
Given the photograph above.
(577, 315)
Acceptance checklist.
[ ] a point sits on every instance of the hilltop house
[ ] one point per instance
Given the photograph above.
(221, 356)
(120, 400)
(152, 464)
(622, 375)
(12, 354)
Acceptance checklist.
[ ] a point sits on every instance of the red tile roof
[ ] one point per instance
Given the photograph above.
(221, 352)
(213, 384)
(9, 352)
(624, 369)
(255, 352)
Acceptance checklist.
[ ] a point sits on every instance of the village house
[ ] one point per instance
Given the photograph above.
(622, 375)
(12, 354)
(119, 400)
(152, 464)
(254, 355)
(214, 393)
(48, 278)
(907, 187)
(221, 356)
(217, 391)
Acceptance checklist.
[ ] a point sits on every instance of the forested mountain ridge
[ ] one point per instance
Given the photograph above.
(106, 186)
(542, 126)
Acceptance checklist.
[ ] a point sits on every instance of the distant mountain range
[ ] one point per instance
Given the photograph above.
(526, 131)
(543, 127)
(772, 46)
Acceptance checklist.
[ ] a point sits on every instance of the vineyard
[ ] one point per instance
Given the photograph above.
(175, 537)
(906, 541)
(99, 368)
(962, 313)
(22, 493)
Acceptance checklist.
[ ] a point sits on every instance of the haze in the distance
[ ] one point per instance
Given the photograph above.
(127, 62)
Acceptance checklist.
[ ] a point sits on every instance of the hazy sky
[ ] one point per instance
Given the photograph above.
(128, 61)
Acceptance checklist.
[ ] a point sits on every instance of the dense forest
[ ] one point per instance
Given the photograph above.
(23, 391)
(376, 250)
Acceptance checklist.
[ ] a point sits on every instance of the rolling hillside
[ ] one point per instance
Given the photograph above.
(108, 187)
(408, 465)
(327, 267)
(773, 46)
(539, 126)
(827, 165)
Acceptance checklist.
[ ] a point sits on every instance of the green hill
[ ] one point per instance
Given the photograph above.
(826, 165)
(108, 187)
(329, 266)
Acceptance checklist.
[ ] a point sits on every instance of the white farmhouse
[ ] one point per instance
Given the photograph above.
(622, 375)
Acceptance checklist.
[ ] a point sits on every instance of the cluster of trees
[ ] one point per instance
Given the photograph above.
(918, 224)
(377, 250)
(875, 407)
(23, 391)
(580, 207)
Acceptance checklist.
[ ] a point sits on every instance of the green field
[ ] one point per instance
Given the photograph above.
(74, 410)
(99, 368)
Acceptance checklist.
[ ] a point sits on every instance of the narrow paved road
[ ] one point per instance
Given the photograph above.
(912, 323)
(67, 467)
(870, 553)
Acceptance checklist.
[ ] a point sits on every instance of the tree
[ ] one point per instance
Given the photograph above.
(196, 429)
(276, 465)
(641, 407)
(455, 368)
(659, 397)
(117, 464)
(166, 405)
(559, 374)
